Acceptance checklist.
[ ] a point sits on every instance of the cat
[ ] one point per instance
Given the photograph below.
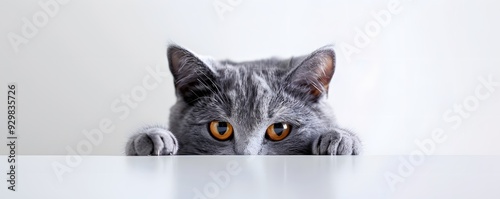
(263, 107)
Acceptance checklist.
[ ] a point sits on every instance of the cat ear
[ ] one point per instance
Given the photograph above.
(192, 77)
(313, 73)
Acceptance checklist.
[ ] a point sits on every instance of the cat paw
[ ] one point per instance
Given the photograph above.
(338, 142)
(152, 141)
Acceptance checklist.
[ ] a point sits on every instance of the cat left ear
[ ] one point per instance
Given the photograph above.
(315, 71)
(192, 77)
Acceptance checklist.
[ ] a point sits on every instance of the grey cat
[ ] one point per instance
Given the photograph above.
(264, 107)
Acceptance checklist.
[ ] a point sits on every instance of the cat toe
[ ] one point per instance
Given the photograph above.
(152, 141)
(336, 143)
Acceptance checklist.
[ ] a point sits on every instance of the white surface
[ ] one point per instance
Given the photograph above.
(395, 90)
(256, 177)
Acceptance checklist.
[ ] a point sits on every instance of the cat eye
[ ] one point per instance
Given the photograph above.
(220, 130)
(278, 131)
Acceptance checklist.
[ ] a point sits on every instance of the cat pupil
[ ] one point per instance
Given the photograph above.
(278, 128)
(222, 127)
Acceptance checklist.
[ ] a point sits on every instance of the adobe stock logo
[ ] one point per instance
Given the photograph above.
(364, 36)
(31, 27)
(453, 116)
(122, 106)
(220, 181)
(223, 6)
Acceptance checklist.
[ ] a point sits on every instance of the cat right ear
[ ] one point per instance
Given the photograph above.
(313, 73)
(192, 77)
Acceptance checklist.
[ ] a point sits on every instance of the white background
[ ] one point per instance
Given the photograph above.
(394, 91)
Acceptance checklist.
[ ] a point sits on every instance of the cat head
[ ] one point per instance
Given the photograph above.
(269, 106)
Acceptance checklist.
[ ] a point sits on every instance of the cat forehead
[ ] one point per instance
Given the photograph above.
(250, 86)
(256, 65)
(245, 77)
(268, 70)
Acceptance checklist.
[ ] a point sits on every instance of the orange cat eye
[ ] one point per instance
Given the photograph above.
(220, 130)
(278, 131)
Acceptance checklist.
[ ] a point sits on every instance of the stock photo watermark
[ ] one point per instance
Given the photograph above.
(220, 181)
(222, 7)
(453, 116)
(121, 106)
(31, 26)
(364, 36)
(12, 136)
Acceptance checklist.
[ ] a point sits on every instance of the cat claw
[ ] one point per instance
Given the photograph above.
(152, 141)
(338, 142)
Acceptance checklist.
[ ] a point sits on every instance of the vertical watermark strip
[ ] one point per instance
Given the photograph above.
(12, 136)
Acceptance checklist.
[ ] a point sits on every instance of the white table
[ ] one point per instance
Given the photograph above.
(255, 177)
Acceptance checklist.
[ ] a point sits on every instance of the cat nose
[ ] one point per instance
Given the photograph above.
(251, 152)
(246, 151)
(250, 147)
